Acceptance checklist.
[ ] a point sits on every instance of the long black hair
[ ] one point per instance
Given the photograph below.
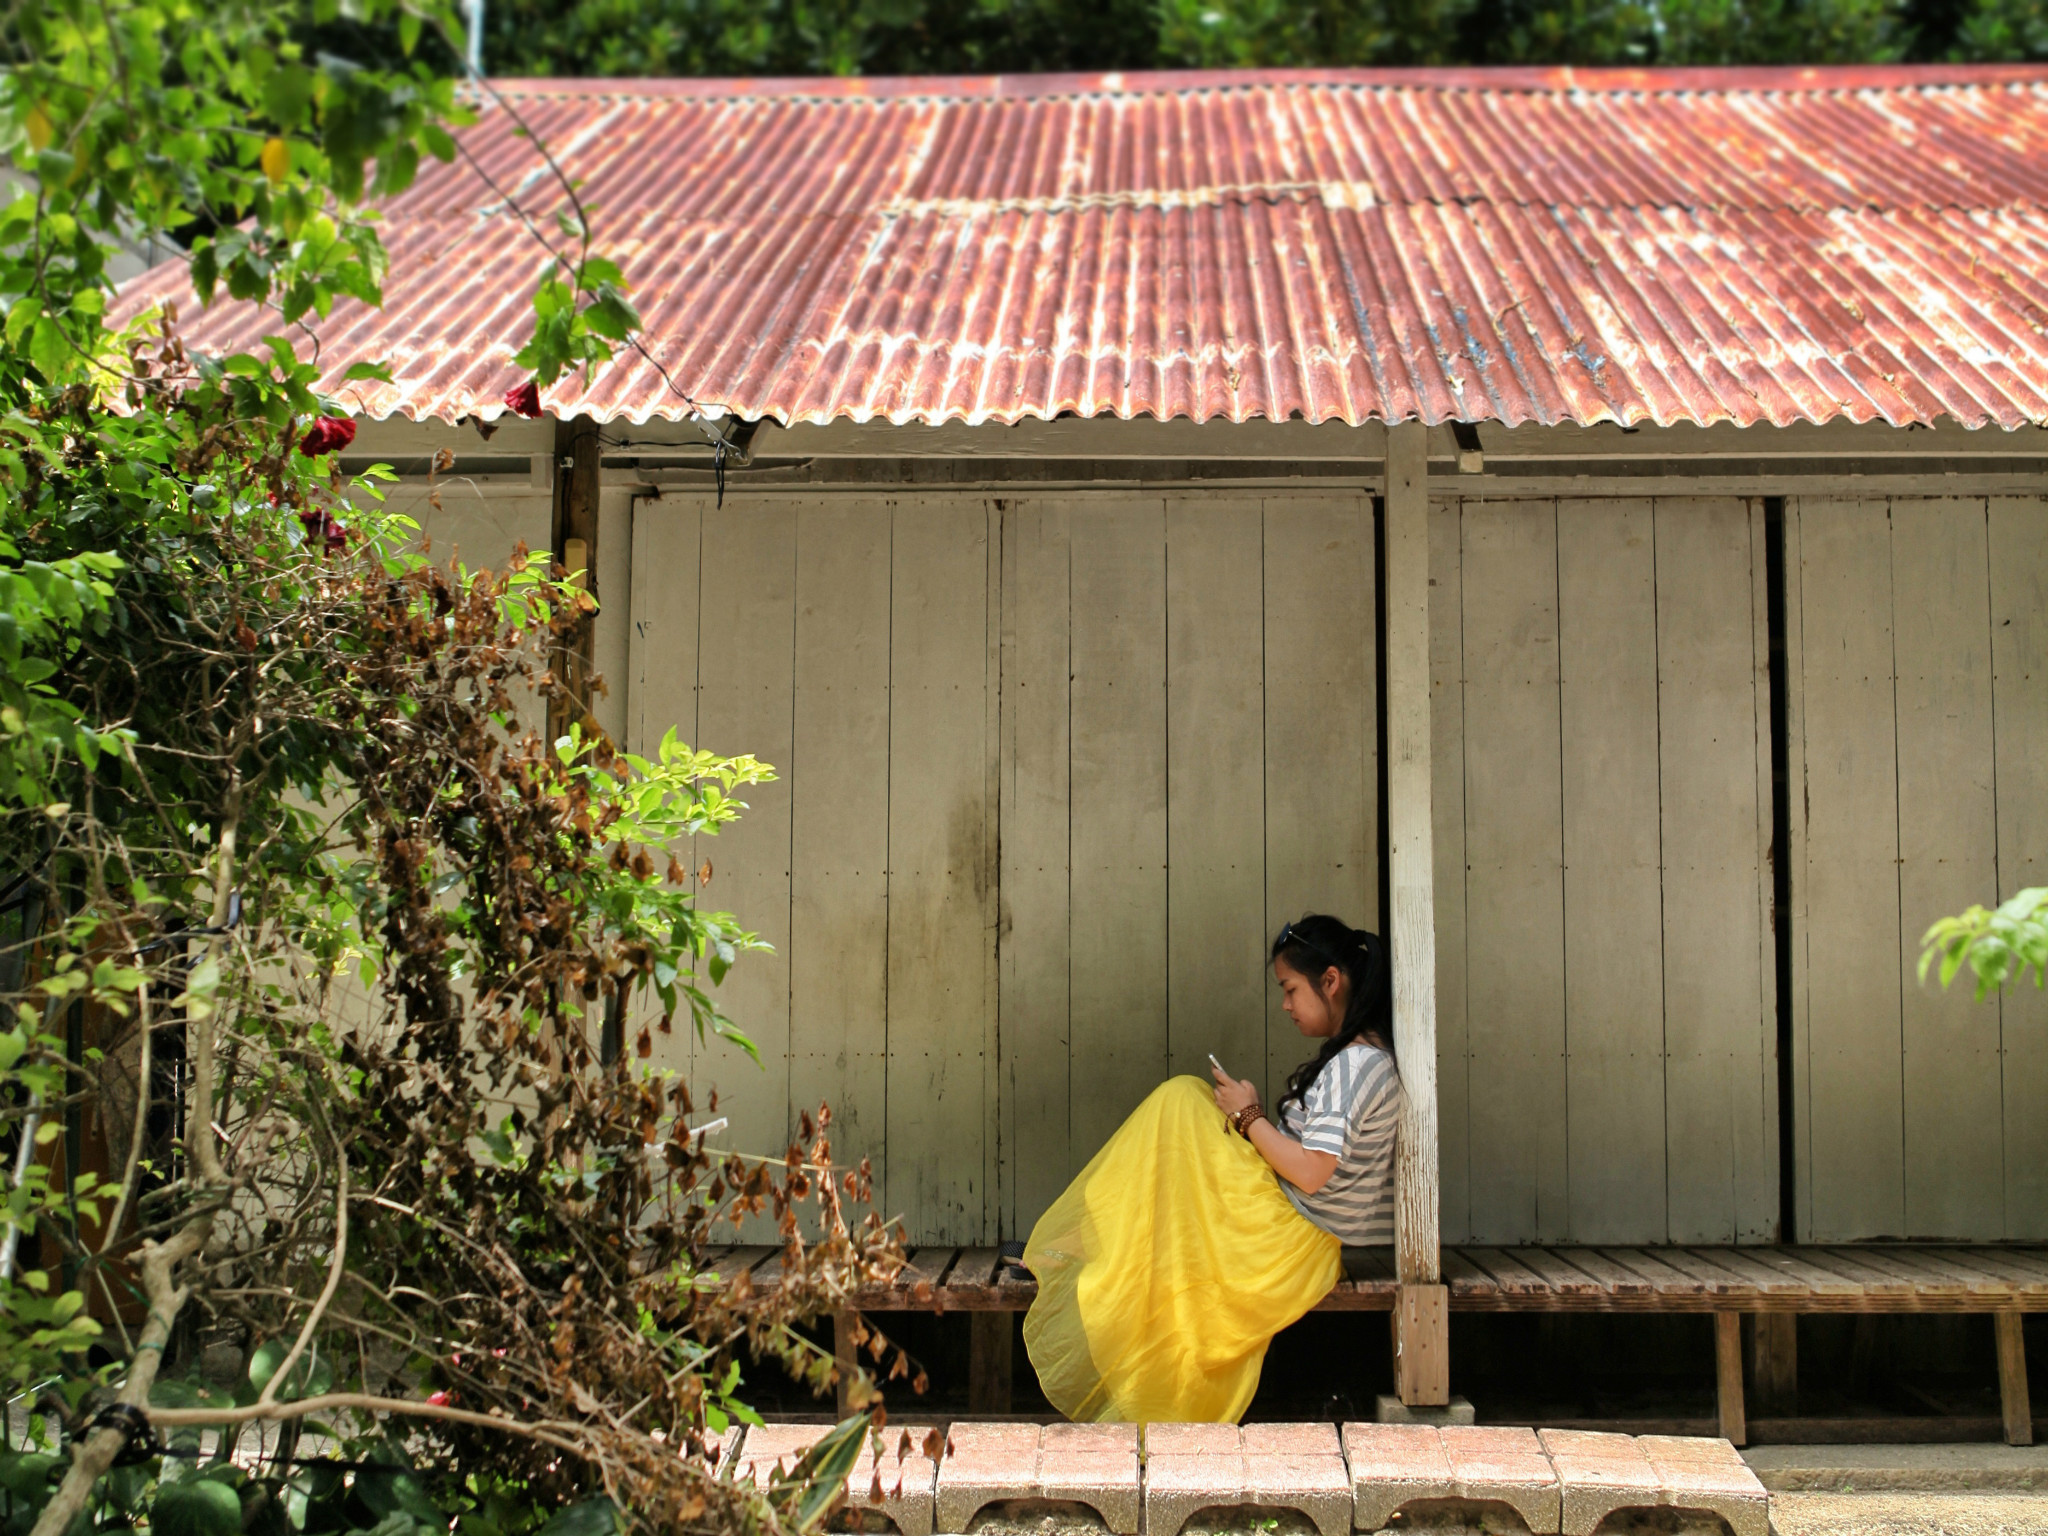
(1309, 946)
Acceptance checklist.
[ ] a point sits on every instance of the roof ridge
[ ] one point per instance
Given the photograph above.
(1741, 80)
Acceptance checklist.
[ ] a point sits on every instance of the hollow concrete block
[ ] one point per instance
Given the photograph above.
(1316, 1484)
(900, 1486)
(1505, 1466)
(1694, 1472)
(1598, 1474)
(1392, 1465)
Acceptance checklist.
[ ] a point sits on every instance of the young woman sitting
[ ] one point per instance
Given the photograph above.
(1204, 1226)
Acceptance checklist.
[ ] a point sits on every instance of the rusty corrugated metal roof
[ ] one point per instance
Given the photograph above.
(1528, 245)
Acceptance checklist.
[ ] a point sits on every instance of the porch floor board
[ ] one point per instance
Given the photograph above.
(1891, 1277)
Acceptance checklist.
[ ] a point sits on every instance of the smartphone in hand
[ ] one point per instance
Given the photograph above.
(1219, 1066)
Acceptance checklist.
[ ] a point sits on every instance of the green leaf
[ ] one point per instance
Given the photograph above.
(818, 1481)
(195, 1506)
(287, 94)
(587, 1517)
(310, 1376)
(49, 349)
(388, 1491)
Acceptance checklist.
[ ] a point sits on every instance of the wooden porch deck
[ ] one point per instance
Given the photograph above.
(1865, 1278)
(1777, 1283)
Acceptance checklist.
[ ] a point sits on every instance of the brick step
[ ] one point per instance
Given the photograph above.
(1358, 1478)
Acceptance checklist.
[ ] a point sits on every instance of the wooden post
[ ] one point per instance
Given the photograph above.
(1774, 1364)
(2012, 1379)
(577, 486)
(990, 1348)
(845, 1359)
(1422, 1335)
(1421, 1319)
(1728, 1376)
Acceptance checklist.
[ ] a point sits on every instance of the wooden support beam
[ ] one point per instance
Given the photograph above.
(1728, 1376)
(1421, 1322)
(2012, 1379)
(845, 1359)
(578, 482)
(1422, 1357)
(1774, 1363)
(990, 1349)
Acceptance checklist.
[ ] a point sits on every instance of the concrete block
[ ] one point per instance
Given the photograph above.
(1711, 1476)
(1598, 1474)
(1177, 1484)
(984, 1464)
(1708, 1449)
(1505, 1466)
(1091, 1464)
(1389, 1409)
(1392, 1465)
(1193, 1440)
(1291, 1440)
(897, 1485)
(1317, 1485)
(1106, 1481)
(1061, 1438)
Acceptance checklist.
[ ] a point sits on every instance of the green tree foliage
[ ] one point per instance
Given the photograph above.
(807, 37)
(1999, 946)
(269, 809)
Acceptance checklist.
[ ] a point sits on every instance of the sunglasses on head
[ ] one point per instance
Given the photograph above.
(1289, 935)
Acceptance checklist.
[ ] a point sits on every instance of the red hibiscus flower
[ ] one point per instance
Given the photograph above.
(327, 434)
(525, 400)
(321, 528)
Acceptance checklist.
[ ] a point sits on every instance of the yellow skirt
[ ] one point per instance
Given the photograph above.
(1167, 1267)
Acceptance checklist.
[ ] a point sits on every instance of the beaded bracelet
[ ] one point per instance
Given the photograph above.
(1245, 1118)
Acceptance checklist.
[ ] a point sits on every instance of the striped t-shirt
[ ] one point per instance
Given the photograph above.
(1351, 1109)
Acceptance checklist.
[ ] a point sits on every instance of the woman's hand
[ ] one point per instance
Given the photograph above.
(1232, 1095)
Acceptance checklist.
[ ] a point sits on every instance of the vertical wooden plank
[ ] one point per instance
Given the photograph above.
(1613, 938)
(1514, 904)
(839, 824)
(1322, 730)
(1722, 1146)
(611, 637)
(2012, 1379)
(1856, 1097)
(1948, 858)
(1215, 759)
(940, 890)
(1774, 1363)
(990, 878)
(480, 530)
(1411, 924)
(1728, 1377)
(661, 665)
(578, 489)
(1761, 1209)
(1117, 751)
(746, 657)
(661, 692)
(1033, 952)
(2019, 656)
(991, 1348)
(1447, 826)
(1799, 798)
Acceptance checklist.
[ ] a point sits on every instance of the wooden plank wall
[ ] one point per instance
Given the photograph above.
(1919, 692)
(1189, 757)
(1606, 1018)
(848, 641)
(1092, 669)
